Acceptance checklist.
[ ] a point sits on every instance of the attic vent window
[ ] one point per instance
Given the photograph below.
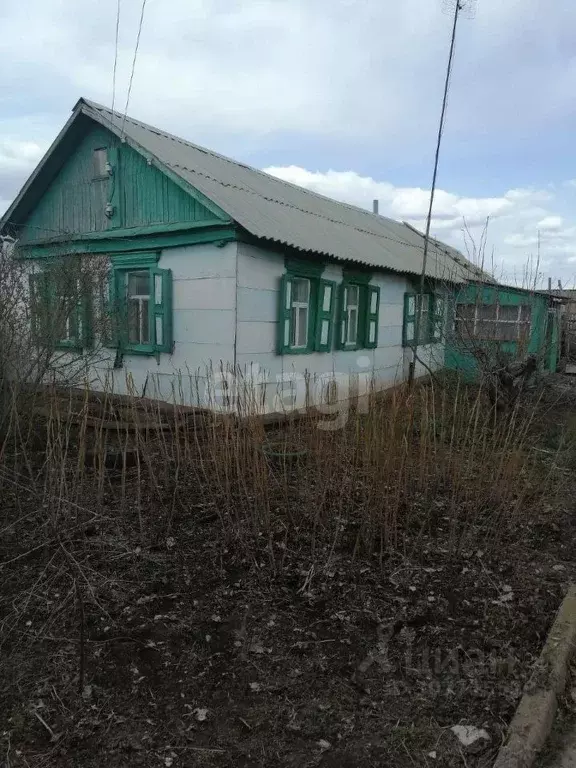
(100, 158)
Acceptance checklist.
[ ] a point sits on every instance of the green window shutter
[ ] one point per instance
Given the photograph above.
(38, 301)
(342, 327)
(439, 318)
(325, 315)
(161, 280)
(409, 324)
(284, 315)
(109, 315)
(371, 316)
(86, 335)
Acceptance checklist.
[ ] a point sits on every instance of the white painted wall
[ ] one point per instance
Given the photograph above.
(204, 306)
(259, 274)
(225, 314)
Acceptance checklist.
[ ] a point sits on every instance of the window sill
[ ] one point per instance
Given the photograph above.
(145, 351)
(68, 346)
(302, 351)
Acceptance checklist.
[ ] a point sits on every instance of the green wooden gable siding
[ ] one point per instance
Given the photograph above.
(149, 197)
(544, 337)
(141, 195)
(74, 201)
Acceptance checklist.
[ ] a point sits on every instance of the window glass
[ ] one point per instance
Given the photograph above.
(424, 330)
(352, 293)
(508, 313)
(100, 158)
(327, 298)
(300, 310)
(372, 332)
(487, 311)
(138, 297)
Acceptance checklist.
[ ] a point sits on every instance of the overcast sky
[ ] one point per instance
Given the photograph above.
(339, 95)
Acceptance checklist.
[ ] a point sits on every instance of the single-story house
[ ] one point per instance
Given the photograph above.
(218, 272)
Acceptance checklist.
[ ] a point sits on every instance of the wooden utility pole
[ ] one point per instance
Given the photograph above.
(460, 6)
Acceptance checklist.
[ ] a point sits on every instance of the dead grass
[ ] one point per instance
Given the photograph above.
(132, 532)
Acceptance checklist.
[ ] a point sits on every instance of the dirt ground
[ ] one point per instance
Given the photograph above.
(192, 655)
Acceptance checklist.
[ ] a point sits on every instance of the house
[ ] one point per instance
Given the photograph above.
(217, 271)
(496, 323)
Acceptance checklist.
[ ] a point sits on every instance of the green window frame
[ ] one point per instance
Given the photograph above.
(140, 314)
(359, 307)
(55, 304)
(433, 320)
(306, 313)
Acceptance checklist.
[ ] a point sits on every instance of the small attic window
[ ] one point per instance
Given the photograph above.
(100, 161)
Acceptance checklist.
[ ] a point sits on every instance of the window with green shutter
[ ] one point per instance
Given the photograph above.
(308, 303)
(61, 306)
(432, 319)
(359, 305)
(306, 309)
(139, 311)
(297, 321)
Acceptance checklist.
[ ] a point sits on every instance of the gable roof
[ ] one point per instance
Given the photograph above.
(276, 210)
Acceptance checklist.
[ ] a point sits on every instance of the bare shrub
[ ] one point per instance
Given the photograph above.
(51, 324)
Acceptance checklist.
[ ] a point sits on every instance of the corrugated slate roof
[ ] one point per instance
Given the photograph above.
(276, 210)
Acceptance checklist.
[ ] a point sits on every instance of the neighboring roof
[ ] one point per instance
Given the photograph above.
(278, 211)
(564, 293)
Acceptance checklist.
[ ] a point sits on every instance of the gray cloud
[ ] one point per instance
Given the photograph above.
(364, 78)
(514, 220)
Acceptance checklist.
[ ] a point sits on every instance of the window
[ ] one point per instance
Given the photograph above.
(60, 306)
(138, 300)
(139, 306)
(100, 163)
(495, 322)
(68, 315)
(432, 320)
(352, 307)
(299, 301)
(359, 305)
(306, 314)
(307, 304)
(424, 330)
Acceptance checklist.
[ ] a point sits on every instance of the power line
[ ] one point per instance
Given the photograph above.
(115, 57)
(133, 66)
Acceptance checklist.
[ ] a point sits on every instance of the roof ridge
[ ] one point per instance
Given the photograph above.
(220, 172)
(231, 160)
